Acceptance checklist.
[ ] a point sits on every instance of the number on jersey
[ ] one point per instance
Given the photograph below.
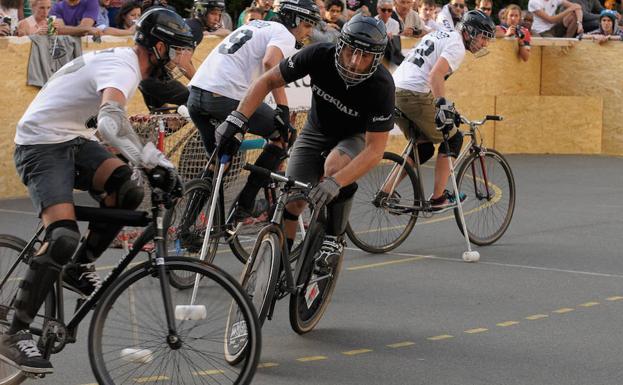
(235, 41)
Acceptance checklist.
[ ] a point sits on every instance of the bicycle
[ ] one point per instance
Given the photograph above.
(141, 329)
(268, 275)
(387, 205)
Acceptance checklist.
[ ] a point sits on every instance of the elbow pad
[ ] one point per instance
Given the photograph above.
(115, 128)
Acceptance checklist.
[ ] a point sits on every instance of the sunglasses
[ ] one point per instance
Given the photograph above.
(459, 5)
(485, 8)
(386, 10)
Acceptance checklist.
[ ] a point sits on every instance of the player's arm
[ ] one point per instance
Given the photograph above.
(437, 77)
(269, 81)
(272, 58)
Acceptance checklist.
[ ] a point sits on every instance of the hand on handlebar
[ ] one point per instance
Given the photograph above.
(230, 133)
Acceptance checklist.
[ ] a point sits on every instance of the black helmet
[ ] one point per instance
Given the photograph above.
(366, 34)
(203, 7)
(292, 12)
(162, 24)
(476, 23)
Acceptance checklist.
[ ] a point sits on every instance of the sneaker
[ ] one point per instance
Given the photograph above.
(20, 350)
(330, 251)
(81, 278)
(445, 201)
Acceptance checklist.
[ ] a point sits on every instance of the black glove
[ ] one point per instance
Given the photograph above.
(324, 192)
(166, 179)
(230, 133)
(282, 121)
(445, 115)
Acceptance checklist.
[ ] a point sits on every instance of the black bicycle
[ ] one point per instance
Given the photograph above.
(142, 329)
(269, 275)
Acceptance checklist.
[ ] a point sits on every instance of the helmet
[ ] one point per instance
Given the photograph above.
(203, 7)
(162, 24)
(476, 23)
(609, 13)
(292, 12)
(362, 34)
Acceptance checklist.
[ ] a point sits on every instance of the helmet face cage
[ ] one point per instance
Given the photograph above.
(292, 14)
(473, 34)
(352, 78)
(475, 23)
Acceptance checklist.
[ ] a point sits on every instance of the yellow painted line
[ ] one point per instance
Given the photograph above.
(401, 344)
(536, 316)
(507, 323)
(356, 352)
(589, 304)
(208, 372)
(563, 310)
(311, 358)
(615, 298)
(268, 365)
(474, 331)
(142, 380)
(440, 337)
(360, 267)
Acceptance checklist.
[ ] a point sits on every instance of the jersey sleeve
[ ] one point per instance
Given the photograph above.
(381, 116)
(283, 40)
(117, 74)
(454, 53)
(535, 5)
(297, 66)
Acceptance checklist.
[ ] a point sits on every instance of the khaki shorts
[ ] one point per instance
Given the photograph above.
(420, 109)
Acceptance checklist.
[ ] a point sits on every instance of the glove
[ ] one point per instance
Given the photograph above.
(282, 121)
(230, 133)
(152, 157)
(445, 115)
(167, 180)
(324, 192)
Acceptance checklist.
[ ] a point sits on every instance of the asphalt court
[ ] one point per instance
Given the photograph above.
(543, 306)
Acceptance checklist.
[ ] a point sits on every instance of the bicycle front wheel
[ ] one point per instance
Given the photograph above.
(488, 183)
(129, 340)
(186, 224)
(377, 223)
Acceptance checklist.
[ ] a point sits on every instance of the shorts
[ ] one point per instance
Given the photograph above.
(420, 109)
(306, 162)
(52, 171)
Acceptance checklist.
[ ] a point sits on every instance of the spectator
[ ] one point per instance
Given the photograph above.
(207, 19)
(324, 32)
(355, 6)
(252, 13)
(113, 10)
(385, 9)
(428, 14)
(102, 17)
(548, 23)
(76, 17)
(511, 27)
(333, 13)
(608, 28)
(156, 3)
(128, 14)
(451, 14)
(12, 11)
(486, 6)
(591, 14)
(528, 19)
(267, 10)
(409, 20)
(37, 23)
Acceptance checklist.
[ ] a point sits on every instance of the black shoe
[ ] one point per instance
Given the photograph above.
(21, 351)
(81, 278)
(330, 252)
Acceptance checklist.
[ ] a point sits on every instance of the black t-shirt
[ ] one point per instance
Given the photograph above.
(337, 111)
(196, 28)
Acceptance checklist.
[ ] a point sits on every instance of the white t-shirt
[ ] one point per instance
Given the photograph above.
(444, 19)
(431, 25)
(74, 94)
(392, 26)
(236, 62)
(412, 74)
(549, 6)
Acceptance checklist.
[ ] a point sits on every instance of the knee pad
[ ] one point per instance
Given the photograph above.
(425, 151)
(289, 216)
(455, 143)
(338, 210)
(60, 242)
(129, 194)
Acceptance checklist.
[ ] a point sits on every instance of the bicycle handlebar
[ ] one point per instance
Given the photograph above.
(464, 120)
(274, 176)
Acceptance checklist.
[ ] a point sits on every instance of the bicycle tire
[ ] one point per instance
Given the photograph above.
(477, 207)
(309, 302)
(10, 249)
(379, 227)
(184, 237)
(118, 312)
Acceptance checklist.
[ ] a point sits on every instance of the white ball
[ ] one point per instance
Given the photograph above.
(471, 256)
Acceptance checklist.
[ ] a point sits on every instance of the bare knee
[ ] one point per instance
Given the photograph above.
(296, 207)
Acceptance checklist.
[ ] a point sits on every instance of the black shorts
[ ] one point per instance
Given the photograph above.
(52, 171)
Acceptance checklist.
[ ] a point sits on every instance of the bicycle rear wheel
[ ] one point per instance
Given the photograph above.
(488, 183)
(12, 271)
(376, 224)
(186, 224)
(129, 341)
(313, 294)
